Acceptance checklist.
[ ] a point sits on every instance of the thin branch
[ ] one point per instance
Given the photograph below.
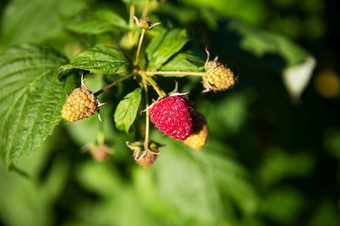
(113, 84)
(139, 46)
(146, 9)
(153, 84)
(147, 117)
(175, 73)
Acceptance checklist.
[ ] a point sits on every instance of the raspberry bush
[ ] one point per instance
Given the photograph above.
(170, 112)
(150, 112)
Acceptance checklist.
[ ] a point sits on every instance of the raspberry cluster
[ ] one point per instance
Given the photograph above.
(173, 115)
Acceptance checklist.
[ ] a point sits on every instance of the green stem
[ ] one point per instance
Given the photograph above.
(147, 118)
(153, 84)
(101, 137)
(131, 22)
(146, 9)
(113, 84)
(174, 73)
(139, 46)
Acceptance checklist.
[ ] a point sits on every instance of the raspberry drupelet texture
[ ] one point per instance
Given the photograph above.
(80, 104)
(218, 77)
(199, 133)
(173, 116)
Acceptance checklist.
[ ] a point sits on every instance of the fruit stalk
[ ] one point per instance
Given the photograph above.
(146, 9)
(132, 14)
(151, 73)
(152, 83)
(147, 118)
(113, 84)
(139, 46)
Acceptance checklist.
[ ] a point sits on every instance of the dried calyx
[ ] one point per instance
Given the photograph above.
(144, 157)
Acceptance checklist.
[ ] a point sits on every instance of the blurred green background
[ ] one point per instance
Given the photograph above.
(272, 157)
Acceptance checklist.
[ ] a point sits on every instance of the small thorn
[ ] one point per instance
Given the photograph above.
(82, 80)
(208, 56)
(137, 21)
(147, 108)
(179, 94)
(154, 25)
(100, 119)
(100, 104)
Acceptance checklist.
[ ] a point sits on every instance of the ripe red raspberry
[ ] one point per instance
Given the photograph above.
(199, 133)
(173, 116)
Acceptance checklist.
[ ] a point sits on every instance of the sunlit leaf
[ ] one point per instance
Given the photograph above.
(126, 110)
(184, 61)
(162, 47)
(100, 21)
(297, 78)
(100, 59)
(31, 99)
(35, 20)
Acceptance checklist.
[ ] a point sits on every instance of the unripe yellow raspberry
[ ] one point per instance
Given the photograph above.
(199, 134)
(218, 77)
(80, 104)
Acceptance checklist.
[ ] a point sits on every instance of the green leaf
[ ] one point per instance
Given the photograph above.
(133, 1)
(35, 20)
(253, 11)
(162, 47)
(266, 52)
(210, 177)
(280, 165)
(283, 204)
(184, 61)
(258, 47)
(126, 111)
(100, 59)
(261, 42)
(31, 99)
(36, 192)
(101, 21)
(296, 78)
